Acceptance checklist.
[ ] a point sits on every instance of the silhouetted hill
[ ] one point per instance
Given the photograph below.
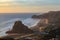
(19, 28)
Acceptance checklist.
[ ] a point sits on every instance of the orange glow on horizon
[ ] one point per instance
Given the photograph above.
(8, 9)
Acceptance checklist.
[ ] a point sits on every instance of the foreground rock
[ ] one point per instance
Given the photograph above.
(19, 28)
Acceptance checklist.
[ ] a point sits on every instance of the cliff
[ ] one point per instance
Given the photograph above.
(47, 15)
(53, 18)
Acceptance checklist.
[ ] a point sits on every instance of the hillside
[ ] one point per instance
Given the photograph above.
(53, 18)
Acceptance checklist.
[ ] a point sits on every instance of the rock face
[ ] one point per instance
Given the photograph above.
(19, 28)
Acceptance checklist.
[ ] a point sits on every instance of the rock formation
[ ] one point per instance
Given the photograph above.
(19, 28)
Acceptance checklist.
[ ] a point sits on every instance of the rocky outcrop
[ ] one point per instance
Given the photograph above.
(19, 28)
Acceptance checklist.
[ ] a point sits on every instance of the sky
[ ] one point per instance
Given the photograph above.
(18, 6)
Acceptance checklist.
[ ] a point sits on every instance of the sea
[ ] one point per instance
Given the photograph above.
(7, 21)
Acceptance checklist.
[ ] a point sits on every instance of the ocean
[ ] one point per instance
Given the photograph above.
(7, 21)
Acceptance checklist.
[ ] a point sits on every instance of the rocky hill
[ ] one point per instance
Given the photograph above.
(19, 28)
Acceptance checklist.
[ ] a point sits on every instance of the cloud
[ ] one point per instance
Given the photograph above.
(29, 5)
(31, 2)
(5, 1)
(38, 2)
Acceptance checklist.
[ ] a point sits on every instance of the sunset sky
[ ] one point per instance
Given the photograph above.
(14, 6)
